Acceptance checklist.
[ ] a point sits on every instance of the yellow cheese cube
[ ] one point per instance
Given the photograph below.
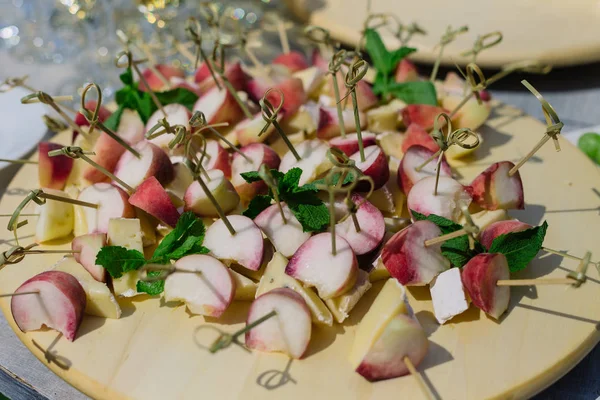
(341, 306)
(126, 232)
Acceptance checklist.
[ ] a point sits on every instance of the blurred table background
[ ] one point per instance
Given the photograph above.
(62, 44)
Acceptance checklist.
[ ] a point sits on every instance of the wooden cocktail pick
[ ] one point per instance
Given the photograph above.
(127, 42)
(94, 121)
(52, 356)
(53, 124)
(339, 58)
(198, 121)
(45, 98)
(10, 83)
(320, 37)
(483, 42)
(75, 152)
(356, 72)
(8, 160)
(567, 255)
(552, 131)
(415, 374)
(372, 21)
(267, 177)
(193, 30)
(447, 38)
(405, 32)
(459, 137)
(469, 229)
(131, 63)
(269, 114)
(16, 253)
(272, 22)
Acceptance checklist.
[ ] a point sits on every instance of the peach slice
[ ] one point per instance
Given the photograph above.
(448, 295)
(207, 289)
(53, 172)
(248, 130)
(288, 331)
(177, 114)
(56, 218)
(112, 203)
(480, 276)
(491, 232)
(315, 265)
(406, 71)
(216, 158)
(388, 333)
(59, 304)
(294, 61)
(451, 196)
(245, 248)
(103, 113)
(152, 198)
(131, 127)
(318, 60)
(153, 162)
(421, 114)
(494, 188)
(312, 162)
(108, 152)
(372, 227)
(414, 157)
(88, 247)
(155, 82)
(177, 83)
(408, 260)
(329, 123)
(293, 94)
(485, 218)
(233, 72)
(181, 182)
(365, 97)
(417, 135)
(259, 154)
(349, 144)
(219, 106)
(275, 277)
(222, 190)
(286, 237)
(374, 166)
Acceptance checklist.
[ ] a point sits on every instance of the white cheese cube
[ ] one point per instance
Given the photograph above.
(126, 232)
(448, 295)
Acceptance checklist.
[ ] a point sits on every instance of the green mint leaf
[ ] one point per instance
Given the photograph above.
(186, 238)
(257, 205)
(289, 182)
(114, 120)
(118, 260)
(378, 53)
(313, 217)
(456, 250)
(397, 55)
(152, 288)
(334, 180)
(179, 96)
(520, 247)
(127, 77)
(251, 176)
(380, 85)
(420, 92)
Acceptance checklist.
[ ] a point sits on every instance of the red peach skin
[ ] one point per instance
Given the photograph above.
(417, 135)
(494, 188)
(108, 152)
(53, 172)
(155, 83)
(88, 247)
(103, 113)
(59, 305)
(152, 198)
(349, 144)
(480, 277)
(294, 61)
(414, 157)
(491, 232)
(421, 114)
(406, 71)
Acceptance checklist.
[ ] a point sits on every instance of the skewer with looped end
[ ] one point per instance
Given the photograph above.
(193, 30)
(552, 131)
(53, 124)
(458, 137)
(448, 37)
(350, 204)
(374, 22)
(269, 114)
(160, 128)
(10, 83)
(272, 22)
(39, 197)
(483, 42)
(405, 32)
(469, 229)
(131, 63)
(45, 98)
(356, 72)
(575, 278)
(198, 121)
(320, 37)
(94, 121)
(147, 53)
(339, 58)
(334, 187)
(75, 152)
(339, 159)
(16, 253)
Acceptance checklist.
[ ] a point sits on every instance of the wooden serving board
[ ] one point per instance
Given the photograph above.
(155, 352)
(534, 29)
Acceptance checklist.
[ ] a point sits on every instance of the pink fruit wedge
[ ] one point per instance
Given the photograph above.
(112, 203)
(372, 227)
(349, 144)
(414, 157)
(451, 196)
(152, 198)
(494, 188)
(480, 276)
(88, 247)
(53, 172)
(374, 166)
(153, 162)
(491, 232)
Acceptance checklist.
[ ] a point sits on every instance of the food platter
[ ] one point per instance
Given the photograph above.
(155, 350)
(534, 20)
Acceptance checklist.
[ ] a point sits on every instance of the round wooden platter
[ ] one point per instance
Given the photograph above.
(155, 352)
(529, 27)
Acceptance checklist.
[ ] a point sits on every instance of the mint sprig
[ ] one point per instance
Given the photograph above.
(386, 62)
(303, 201)
(185, 239)
(456, 250)
(520, 247)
